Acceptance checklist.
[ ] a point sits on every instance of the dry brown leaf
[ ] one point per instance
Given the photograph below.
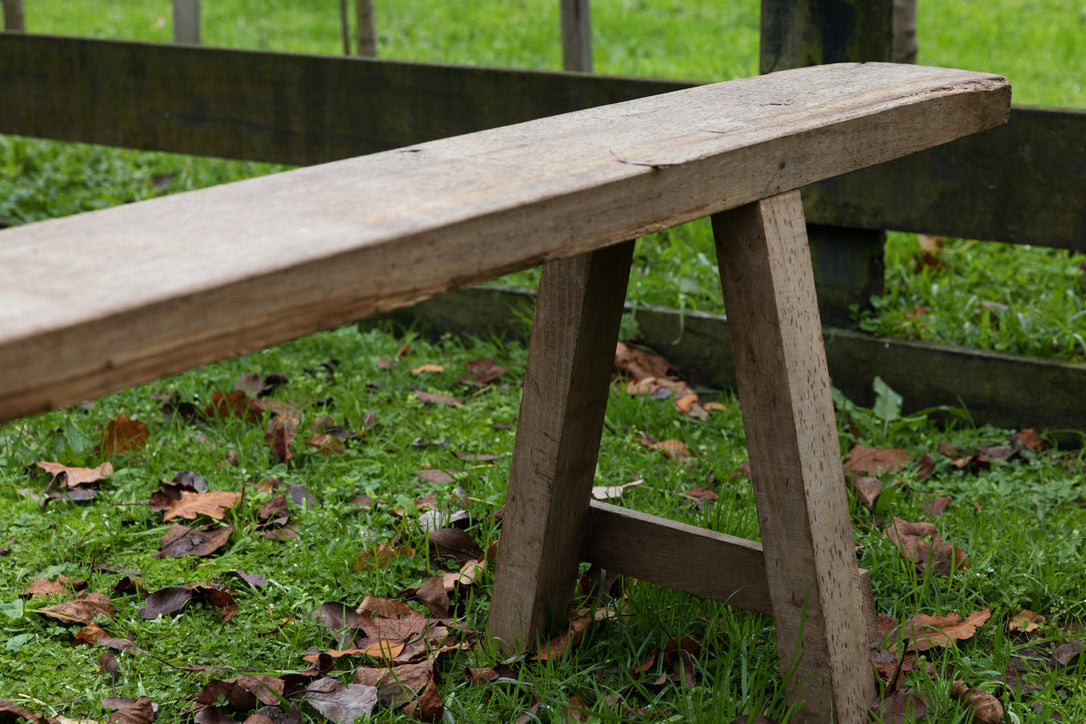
(569, 638)
(123, 436)
(76, 476)
(606, 492)
(82, 609)
(674, 449)
(213, 504)
(484, 370)
(378, 607)
(235, 404)
(926, 631)
(435, 399)
(427, 368)
(45, 587)
(919, 543)
(326, 444)
(140, 711)
(380, 557)
(279, 435)
(986, 708)
(181, 540)
(1025, 621)
(875, 461)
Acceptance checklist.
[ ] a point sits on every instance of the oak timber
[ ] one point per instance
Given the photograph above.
(570, 357)
(795, 455)
(101, 301)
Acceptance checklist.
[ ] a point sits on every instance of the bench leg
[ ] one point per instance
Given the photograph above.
(795, 459)
(570, 357)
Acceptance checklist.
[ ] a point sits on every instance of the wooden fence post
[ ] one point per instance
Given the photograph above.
(366, 29)
(848, 263)
(186, 21)
(576, 35)
(14, 21)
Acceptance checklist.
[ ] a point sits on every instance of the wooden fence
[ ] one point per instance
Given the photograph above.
(1023, 183)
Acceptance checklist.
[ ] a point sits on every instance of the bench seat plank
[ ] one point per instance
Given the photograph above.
(107, 299)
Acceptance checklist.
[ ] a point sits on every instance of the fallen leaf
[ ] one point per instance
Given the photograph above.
(61, 584)
(397, 686)
(925, 632)
(326, 444)
(1027, 439)
(607, 492)
(340, 703)
(1068, 652)
(865, 488)
(436, 399)
(569, 638)
(234, 404)
(937, 507)
(985, 707)
(919, 543)
(437, 476)
(241, 693)
(1025, 621)
(380, 557)
(379, 607)
(82, 609)
(140, 711)
(674, 449)
(874, 461)
(213, 504)
(278, 436)
(427, 368)
(72, 476)
(484, 370)
(181, 540)
(122, 436)
(454, 542)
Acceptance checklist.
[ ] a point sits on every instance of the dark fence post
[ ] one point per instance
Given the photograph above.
(14, 21)
(848, 263)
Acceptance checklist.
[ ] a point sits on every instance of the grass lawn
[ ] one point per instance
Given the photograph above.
(387, 487)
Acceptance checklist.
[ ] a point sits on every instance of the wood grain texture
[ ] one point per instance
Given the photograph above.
(676, 555)
(566, 383)
(104, 300)
(795, 462)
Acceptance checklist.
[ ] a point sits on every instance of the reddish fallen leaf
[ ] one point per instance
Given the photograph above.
(122, 436)
(140, 711)
(903, 706)
(21, 712)
(865, 488)
(434, 596)
(437, 476)
(925, 632)
(342, 704)
(484, 370)
(985, 707)
(61, 584)
(278, 436)
(213, 504)
(181, 541)
(937, 507)
(1025, 621)
(326, 444)
(700, 493)
(252, 383)
(1068, 652)
(234, 404)
(569, 638)
(1027, 439)
(380, 607)
(72, 476)
(380, 557)
(82, 609)
(398, 686)
(925, 466)
(454, 542)
(919, 543)
(433, 398)
(241, 693)
(875, 461)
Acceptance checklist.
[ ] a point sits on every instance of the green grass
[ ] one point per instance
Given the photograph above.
(1021, 522)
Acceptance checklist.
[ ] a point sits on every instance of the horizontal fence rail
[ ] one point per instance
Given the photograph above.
(1023, 183)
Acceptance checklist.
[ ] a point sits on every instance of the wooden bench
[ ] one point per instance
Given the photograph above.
(104, 300)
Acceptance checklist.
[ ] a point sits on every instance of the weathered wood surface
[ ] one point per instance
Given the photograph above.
(1023, 183)
(687, 558)
(186, 21)
(566, 383)
(795, 458)
(100, 301)
(996, 388)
